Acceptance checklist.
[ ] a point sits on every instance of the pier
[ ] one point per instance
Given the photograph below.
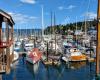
(6, 41)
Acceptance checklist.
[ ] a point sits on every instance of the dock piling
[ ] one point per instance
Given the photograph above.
(98, 43)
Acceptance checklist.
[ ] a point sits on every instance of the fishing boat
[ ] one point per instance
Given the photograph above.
(76, 55)
(34, 57)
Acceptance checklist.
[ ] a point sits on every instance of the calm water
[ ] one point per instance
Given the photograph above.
(72, 71)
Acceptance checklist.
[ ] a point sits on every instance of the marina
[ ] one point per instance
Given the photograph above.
(55, 51)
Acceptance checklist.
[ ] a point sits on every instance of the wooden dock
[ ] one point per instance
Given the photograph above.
(6, 42)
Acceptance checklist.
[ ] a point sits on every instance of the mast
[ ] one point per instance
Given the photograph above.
(42, 21)
(76, 29)
(20, 32)
(85, 28)
(26, 31)
(30, 35)
(98, 41)
(54, 28)
(51, 24)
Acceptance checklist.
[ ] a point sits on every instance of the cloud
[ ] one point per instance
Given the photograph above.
(28, 1)
(70, 7)
(90, 15)
(22, 19)
(61, 8)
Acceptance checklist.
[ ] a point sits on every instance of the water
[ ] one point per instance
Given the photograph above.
(21, 70)
(73, 71)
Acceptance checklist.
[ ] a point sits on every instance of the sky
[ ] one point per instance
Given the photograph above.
(27, 14)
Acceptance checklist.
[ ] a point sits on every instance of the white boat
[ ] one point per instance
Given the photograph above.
(65, 59)
(28, 46)
(76, 55)
(17, 48)
(17, 45)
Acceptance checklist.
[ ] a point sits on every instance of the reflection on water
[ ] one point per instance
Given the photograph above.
(32, 68)
(76, 65)
(71, 71)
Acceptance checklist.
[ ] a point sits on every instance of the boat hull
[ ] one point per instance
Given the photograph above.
(35, 65)
(78, 58)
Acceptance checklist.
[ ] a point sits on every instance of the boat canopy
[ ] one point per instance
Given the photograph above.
(29, 44)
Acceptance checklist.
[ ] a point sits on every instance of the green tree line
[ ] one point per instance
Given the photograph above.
(62, 29)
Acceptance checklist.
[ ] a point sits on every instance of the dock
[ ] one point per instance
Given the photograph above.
(6, 42)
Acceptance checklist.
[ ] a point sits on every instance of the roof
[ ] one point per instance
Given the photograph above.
(4, 14)
(35, 55)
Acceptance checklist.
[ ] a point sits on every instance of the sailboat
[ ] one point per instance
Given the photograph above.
(86, 38)
(53, 50)
(17, 42)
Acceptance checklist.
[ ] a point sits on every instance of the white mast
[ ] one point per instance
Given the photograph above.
(85, 27)
(26, 31)
(76, 28)
(86, 19)
(20, 32)
(42, 21)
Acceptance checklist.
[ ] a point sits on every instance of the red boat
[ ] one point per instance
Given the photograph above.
(34, 58)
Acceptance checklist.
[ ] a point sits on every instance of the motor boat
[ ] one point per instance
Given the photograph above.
(34, 56)
(76, 55)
